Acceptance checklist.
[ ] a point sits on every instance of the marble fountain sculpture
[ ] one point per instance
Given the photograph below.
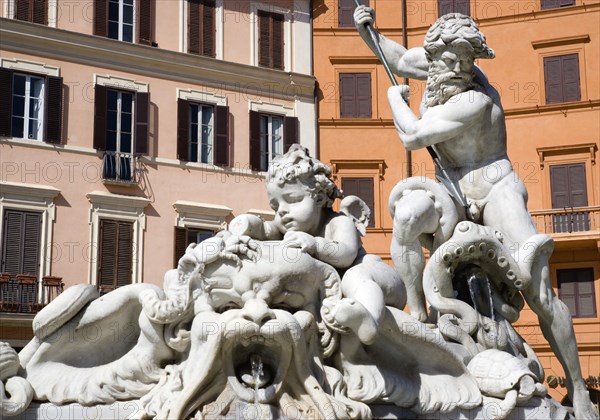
(291, 318)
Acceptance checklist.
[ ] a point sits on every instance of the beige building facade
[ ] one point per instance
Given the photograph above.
(131, 128)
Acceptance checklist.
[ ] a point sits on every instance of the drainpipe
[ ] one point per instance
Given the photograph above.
(405, 43)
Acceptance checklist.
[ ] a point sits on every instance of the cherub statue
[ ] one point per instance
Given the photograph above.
(302, 193)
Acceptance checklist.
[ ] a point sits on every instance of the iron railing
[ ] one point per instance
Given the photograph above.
(121, 168)
(567, 220)
(21, 293)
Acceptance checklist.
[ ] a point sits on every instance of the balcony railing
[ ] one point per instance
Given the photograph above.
(21, 293)
(121, 168)
(567, 220)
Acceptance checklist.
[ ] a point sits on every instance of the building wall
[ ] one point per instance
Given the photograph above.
(539, 135)
(69, 173)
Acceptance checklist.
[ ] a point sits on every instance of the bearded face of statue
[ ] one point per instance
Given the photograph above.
(450, 73)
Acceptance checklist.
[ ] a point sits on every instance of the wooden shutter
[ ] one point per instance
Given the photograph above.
(445, 7)
(146, 11)
(6, 84)
(355, 95)
(363, 95)
(115, 253)
(570, 77)
(21, 242)
(346, 12)
(180, 244)
(221, 138)
(277, 40)
(201, 27)
(142, 115)
(208, 28)
(23, 10)
(568, 185)
(194, 40)
(101, 17)
(561, 78)
(576, 290)
(100, 104)
(183, 130)
(40, 12)
(255, 141)
(54, 101)
(553, 4)
(264, 39)
(290, 135)
(363, 188)
(462, 6)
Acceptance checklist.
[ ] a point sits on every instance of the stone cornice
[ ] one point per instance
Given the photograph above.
(44, 192)
(103, 198)
(153, 62)
(555, 42)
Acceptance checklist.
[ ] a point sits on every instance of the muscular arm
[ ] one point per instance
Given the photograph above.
(439, 123)
(405, 63)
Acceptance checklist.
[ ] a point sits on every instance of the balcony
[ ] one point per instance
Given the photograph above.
(121, 168)
(22, 294)
(579, 221)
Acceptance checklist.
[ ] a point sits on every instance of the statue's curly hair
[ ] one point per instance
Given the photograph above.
(298, 165)
(454, 28)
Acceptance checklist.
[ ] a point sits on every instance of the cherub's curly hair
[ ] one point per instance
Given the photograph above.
(456, 28)
(297, 165)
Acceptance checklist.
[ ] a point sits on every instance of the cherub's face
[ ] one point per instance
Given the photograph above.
(295, 208)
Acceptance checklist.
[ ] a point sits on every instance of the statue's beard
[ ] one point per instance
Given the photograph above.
(442, 86)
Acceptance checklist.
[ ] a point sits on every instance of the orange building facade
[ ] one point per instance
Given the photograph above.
(547, 71)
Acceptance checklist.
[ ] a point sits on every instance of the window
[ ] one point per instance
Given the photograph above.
(346, 12)
(121, 130)
(201, 27)
(362, 188)
(203, 132)
(115, 254)
(35, 11)
(576, 290)
(568, 188)
(186, 236)
(270, 136)
(270, 39)
(355, 95)
(125, 20)
(454, 6)
(561, 78)
(21, 234)
(554, 4)
(31, 106)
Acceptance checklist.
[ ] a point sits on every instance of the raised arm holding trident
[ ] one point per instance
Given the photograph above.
(462, 117)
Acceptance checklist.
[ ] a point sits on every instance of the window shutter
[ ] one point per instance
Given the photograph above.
(107, 253)
(40, 12)
(221, 155)
(363, 95)
(54, 100)
(553, 80)
(31, 243)
(255, 141)
(445, 7)
(549, 4)
(100, 117)
(124, 254)
(363, 188)
(577, 185)
(568, 185)
(586, 299)
(146, 21)
(290, 135)
(346, 12)
(12, 242)
(208, 28)
(180, 244)
(264, 39)
(462, 6)
(183, 129)
(6, 82)
(142, 114)
(277, 21)
(22, 11)
(347, 95)
(194, 26)
(570, 78)
(101, 17)
(559, 186)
